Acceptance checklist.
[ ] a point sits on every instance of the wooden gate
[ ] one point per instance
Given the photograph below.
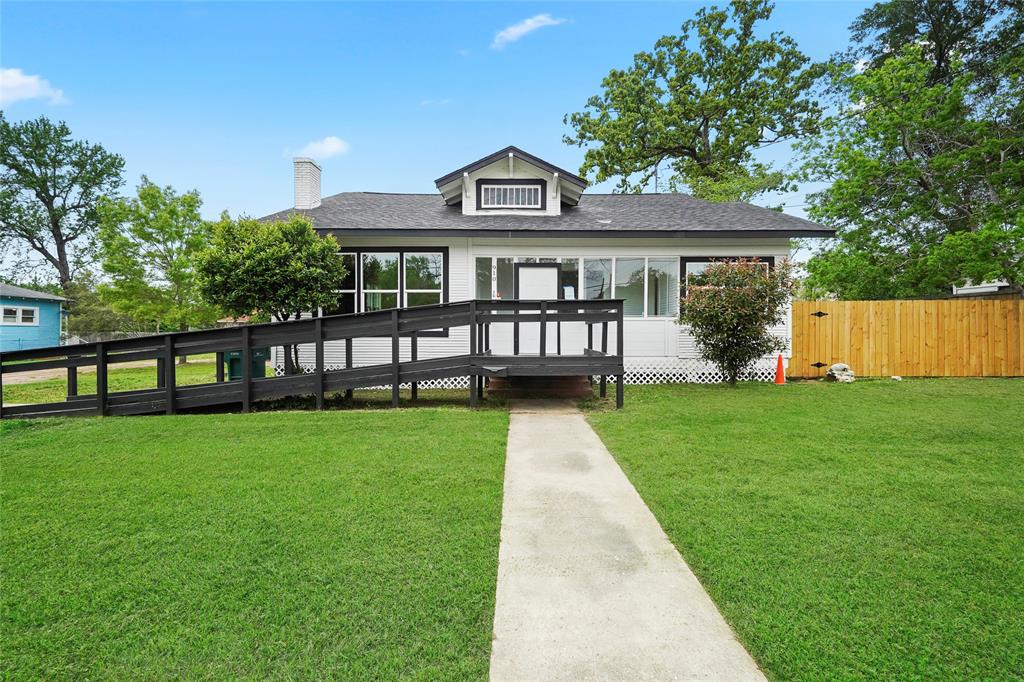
(957, 337)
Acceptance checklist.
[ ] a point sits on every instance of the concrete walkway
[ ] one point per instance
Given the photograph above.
(589, 586)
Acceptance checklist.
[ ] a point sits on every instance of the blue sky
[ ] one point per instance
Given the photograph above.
(219, 96)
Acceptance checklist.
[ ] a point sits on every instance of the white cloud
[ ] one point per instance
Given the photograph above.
(16, 85)
(435, 102)
(511, 34)
(325, 148)
(463, 52)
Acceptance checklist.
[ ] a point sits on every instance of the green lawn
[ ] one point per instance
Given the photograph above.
(871, 531)
(286, 544)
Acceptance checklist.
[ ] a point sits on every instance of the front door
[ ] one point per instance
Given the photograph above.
(537, 281)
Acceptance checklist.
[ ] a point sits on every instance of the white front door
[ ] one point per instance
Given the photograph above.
(537, 281)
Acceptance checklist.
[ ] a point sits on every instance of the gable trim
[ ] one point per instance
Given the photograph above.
(518, 153)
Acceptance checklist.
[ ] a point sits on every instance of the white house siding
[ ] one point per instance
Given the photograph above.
(657, 349)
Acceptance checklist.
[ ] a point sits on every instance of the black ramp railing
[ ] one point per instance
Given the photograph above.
(477, 363)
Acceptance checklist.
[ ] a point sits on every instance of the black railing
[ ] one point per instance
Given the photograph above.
(478, 363)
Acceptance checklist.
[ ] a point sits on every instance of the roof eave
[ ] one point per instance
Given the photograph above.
(515, 151)
(575, 233)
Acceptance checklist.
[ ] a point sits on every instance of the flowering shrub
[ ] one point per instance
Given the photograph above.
(731, 307)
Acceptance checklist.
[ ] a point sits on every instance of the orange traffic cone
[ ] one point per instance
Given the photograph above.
(780, 373)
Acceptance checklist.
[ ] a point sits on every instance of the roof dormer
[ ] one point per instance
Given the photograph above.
(511, 182)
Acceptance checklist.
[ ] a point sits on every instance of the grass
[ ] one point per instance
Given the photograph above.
(871, 531)
(118, 379)
(353, 545)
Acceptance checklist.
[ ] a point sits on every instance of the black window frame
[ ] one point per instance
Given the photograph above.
(683, 260)
(401, 251)
(543, 184)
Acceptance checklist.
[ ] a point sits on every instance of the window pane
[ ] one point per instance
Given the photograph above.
(28, 315)
(597, 278)
(346, 304)
(379, 301)
(570, 278)
(349, 280)
(506, 278)
(424, 270)
(629, 284)
(380, 271)
(423, 298)
(483, 278)
(10, 314)
(662, 286)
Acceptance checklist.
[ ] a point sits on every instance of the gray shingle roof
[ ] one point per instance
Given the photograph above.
(22, 292)
(596, 215)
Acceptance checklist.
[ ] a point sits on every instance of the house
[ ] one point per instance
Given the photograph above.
(511, 225)
(31, 319)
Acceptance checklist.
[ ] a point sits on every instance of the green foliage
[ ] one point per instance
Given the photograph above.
(731, 308)
(701, 109)
(87, 312)
(280, 268)
(50, 186)
(926, 157)
(149, 246)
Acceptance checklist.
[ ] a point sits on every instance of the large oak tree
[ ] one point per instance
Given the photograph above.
(701, 103)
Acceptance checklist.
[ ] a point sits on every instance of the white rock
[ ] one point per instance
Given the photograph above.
(841, 373)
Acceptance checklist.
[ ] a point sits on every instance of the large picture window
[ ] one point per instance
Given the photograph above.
(694, 267)
(382, 278)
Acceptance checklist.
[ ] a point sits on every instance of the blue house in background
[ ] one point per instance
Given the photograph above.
(31, 319)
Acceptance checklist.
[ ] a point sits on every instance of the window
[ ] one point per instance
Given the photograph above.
(382, 279)
(662, 287)
(21, 315)
(347, 299)
(424, 278)
(597, 278)
(649, 287)
(629, 284)
(529, 194)
(693, 268)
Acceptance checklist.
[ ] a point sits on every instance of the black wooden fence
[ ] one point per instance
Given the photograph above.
(477, 364)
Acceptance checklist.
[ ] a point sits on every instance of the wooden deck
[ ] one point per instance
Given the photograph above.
(478, 362)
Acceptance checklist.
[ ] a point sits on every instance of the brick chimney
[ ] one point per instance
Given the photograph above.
(307, 183)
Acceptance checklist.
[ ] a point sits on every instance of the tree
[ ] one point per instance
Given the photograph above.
(730, 309)
(927, 181)
(974, 33)
(280, 269)
(50, 186)
(148, 247)
(88, 313)
(703, 110)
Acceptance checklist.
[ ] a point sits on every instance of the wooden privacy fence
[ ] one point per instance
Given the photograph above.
(939, 338)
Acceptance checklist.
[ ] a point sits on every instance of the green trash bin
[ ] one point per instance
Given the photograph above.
(259, 363)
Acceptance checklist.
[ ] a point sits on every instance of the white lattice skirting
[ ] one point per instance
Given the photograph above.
(650, 372)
